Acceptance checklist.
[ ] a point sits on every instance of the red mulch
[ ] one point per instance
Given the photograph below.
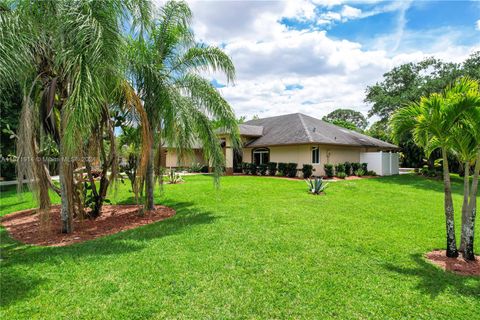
(455, 265)
(25, 226)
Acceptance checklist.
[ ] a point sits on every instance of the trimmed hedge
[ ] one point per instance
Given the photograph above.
(348, 168)
(272, 168)
(328, 170)
(253, 169)
(339, 168)
(292, 170)
(262, 168)
(282, 168)
(307, 171)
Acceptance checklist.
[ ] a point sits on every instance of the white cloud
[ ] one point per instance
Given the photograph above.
(332, 72)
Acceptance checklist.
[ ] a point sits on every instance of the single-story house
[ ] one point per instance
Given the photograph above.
(302, 139)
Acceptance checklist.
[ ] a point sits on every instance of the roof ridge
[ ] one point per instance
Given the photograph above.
(310, 139)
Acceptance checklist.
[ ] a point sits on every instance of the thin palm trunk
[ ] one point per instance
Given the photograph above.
(472, 212)
(150, 181)
(449, 212)
(66, 190)
(466, 192)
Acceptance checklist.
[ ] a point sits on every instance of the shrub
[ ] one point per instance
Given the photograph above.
(262, 169)
(272, 168)
(364, 166)
(371, 173)
(195, 167)
(328, 170)
(341, 175)
(307, 170)
(359, 173)
(173, 177)
(316, 186)
(245, 167)
(253, 169)
(348, 168)
(204, 169)
(355, 166)
(292, 170)
(282, 168)
(340, 168)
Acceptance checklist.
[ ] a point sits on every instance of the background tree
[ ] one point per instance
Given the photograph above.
(347, 118)
(407, 83)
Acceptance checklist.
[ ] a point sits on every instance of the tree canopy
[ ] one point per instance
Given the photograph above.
(347, 118)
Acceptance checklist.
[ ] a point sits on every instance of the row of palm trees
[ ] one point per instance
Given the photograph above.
(450, 121)
(81, 62)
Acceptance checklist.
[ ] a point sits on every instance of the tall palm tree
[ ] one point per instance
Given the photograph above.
(431, 122)
(68, 56)
(166, 68)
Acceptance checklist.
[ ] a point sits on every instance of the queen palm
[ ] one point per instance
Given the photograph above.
(166, 66)
(431, 122)
(67, 55)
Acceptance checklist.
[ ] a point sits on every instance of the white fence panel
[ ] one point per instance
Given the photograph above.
(383, 163)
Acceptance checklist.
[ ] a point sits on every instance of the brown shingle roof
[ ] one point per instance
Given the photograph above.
(297, 128)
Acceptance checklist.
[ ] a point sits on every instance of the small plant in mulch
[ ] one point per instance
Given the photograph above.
(316, 185)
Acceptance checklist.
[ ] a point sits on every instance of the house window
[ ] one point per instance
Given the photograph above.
(261, 156)
(315, 155)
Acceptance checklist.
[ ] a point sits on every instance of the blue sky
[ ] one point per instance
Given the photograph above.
(314, 56)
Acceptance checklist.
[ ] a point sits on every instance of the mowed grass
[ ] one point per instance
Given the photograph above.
(255, 248)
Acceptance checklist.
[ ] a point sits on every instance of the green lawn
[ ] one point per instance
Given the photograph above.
(255, 248)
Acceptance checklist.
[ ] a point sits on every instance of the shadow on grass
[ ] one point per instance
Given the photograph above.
(433, 280)
(419, 182)
(17, 258)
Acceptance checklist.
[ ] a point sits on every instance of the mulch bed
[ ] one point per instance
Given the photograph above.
(298, 178)
(455, 265)
(28, 226)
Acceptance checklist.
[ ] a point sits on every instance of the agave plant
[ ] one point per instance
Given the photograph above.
(173, 177)
(316, 185)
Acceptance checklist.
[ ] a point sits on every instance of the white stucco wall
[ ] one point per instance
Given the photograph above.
(173, 160)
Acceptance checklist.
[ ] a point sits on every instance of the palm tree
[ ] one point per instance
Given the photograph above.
(68, 57)
(431, 122)
(166, 67)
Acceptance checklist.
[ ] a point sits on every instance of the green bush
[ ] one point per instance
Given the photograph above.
(348, 168)
(253, 169)
(341, 175)
(328, 170)
(195, 167)
(359, 173)
(307, 170)
(204, 169)
(292, 170)
(245, 167)
(364, 166)
(355, 166)
(262, 168)
(340, 168)
(371, 173)
(282, 168)
(272, 168)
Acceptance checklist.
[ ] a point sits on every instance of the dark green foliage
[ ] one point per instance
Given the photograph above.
(282, 168)
(245, 167)
(272, 168)
(292, 170)
(253, 169)
(364, 166)
(348, 168)
(262, 168)
(347, 118)
(204, 169)
(329, 172)
(307, 170)
(339, 168)
(371, 173)
(355, 166)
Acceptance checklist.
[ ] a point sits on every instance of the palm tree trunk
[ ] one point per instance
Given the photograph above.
(472, 212)
(449, 212)
(66, 193)
(466, 191)
(150, 181)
